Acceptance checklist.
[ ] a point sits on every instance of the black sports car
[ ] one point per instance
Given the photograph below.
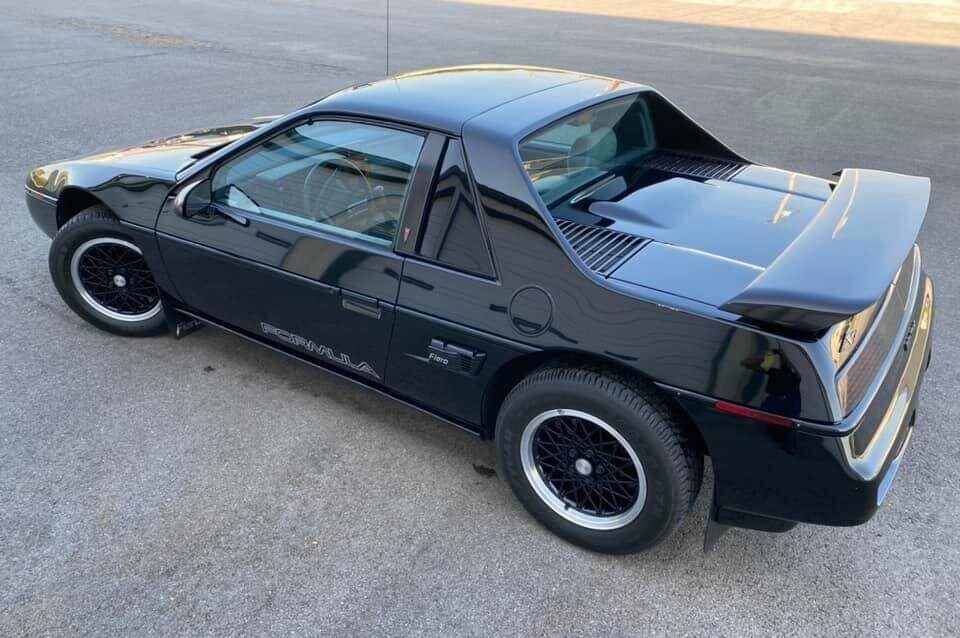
(564, 263)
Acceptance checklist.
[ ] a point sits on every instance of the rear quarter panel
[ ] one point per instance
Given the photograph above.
(662, 339)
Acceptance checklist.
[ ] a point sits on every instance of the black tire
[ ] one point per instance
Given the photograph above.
(671, 466)
(97, 228)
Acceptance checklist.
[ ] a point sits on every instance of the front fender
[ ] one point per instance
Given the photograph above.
(134, 196)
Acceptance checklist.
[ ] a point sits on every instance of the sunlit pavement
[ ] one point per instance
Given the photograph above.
(207, 487)
(934, 22)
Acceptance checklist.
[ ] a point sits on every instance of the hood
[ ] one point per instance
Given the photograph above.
(710, 238)
(162, 158)
(173, 154)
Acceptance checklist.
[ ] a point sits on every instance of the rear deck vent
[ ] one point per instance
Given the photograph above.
(693, 165)
(602, 249)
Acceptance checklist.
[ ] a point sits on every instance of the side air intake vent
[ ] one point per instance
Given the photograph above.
(693, 165)
(602, 249)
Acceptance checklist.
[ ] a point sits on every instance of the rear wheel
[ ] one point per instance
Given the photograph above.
(600, 460)
(101, 274)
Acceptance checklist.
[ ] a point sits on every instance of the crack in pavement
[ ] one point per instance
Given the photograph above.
(118, 58)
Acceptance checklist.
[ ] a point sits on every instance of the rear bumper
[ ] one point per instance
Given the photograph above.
(768, 476)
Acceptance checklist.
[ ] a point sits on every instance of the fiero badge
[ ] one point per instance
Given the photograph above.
(317, 348)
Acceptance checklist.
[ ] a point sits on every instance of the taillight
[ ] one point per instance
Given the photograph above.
(757, 415)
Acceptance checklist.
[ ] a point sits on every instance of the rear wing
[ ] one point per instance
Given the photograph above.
(845, 259)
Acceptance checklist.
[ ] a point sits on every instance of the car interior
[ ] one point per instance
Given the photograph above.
(343, 177)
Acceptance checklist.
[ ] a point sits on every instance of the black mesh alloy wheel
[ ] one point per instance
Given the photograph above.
(111, 275)
(600, 459)
(101, 273)
(583, 469)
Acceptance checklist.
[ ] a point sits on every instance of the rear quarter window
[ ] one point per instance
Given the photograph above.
(452, 232)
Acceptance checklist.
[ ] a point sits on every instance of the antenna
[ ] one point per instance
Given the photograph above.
(388, 38)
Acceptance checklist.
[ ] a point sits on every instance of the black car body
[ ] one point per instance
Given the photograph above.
(786, 318)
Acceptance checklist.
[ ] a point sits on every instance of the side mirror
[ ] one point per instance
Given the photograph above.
(192, 199)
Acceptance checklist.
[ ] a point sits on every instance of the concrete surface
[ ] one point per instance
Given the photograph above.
(207, 487)
(909, 21)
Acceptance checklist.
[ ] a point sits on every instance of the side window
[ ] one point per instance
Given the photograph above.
(342, 177)
(451, 232)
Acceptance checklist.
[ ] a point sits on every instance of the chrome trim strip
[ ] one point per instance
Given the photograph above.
(35, 193)
(868, 464)
(887, 481)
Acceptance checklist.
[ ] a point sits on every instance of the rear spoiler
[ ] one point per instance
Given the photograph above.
(845, 259)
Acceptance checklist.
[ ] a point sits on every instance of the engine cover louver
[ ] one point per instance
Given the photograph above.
(693, 165)
(602, 250)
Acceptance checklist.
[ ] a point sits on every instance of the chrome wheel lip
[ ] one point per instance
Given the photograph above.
(95, 305)
(554, 502)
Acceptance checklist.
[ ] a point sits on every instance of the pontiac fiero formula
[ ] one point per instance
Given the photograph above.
(563, 263)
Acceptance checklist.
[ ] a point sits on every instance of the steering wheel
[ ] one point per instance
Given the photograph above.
(352, 192)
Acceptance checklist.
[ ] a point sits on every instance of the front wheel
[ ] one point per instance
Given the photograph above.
(598, 459)
(102, 275)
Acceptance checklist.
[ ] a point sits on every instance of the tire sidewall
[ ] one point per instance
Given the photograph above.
(75, 233)
(663, 489)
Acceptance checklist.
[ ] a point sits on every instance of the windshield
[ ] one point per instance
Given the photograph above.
(583, 153)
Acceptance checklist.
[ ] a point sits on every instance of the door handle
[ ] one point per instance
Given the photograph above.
(360, 304)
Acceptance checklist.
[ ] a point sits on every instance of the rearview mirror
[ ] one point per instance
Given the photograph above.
(192, 199)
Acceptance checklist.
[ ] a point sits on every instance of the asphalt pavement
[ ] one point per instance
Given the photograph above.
(208, 487)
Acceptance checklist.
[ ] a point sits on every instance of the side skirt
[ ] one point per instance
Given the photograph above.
(201, 320)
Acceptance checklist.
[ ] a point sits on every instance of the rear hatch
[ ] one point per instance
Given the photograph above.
(776, 247)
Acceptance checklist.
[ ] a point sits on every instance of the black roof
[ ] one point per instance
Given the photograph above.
(444, 99)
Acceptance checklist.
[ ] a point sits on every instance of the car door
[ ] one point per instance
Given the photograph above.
(440, 354)
(292, 240)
